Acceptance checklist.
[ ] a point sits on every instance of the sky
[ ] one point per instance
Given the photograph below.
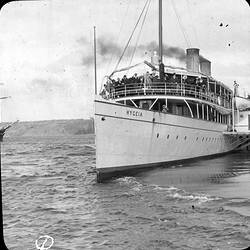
(46, 48)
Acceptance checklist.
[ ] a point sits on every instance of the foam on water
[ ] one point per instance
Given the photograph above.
(131, 182)
(195, 197)
(171, 191)
(177, 193)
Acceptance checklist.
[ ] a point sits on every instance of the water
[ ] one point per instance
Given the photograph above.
(49, 188)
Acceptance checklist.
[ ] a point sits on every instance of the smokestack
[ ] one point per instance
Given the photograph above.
(193, 60)
(205, 66)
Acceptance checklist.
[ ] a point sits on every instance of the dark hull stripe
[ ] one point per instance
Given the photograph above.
(114, 172)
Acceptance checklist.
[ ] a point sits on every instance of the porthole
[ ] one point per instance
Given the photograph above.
(177, 137)
(168, 137)
(197, 138)
(185, 137)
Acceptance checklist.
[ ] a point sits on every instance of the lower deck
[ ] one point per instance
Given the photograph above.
(129, 137)
(187, 107)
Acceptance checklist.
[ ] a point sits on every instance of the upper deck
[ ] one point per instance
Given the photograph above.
(175, 85)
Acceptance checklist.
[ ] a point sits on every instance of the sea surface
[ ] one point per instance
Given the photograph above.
(49, 188)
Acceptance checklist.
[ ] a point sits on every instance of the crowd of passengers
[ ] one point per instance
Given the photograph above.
(149, 79)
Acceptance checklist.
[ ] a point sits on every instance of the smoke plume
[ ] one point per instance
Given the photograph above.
(106, 48)
(168, 51)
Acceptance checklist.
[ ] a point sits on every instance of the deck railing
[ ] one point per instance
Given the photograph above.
(161, 88)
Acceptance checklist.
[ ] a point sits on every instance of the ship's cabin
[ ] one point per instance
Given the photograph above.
(179, 92)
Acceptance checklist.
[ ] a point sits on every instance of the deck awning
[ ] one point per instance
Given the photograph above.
(242, 103)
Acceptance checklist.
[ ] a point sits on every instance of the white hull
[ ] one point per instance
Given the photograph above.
(128, 137)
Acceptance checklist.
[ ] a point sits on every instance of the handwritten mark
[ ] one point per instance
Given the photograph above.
(41, 245)
(221, 24)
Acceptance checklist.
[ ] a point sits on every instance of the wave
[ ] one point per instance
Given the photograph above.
(169, 191)
(7, 154)
(75, 154)
(90, 146)
(171, 188)
(130, 181)
(176, 193)
(201, 198)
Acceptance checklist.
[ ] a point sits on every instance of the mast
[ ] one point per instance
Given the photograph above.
(95, 61)
(161, 65)
(233, 117)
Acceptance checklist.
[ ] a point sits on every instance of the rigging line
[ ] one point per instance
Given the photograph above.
(192, 20)
(119, 33)
(130, 36)
(118, 37)
(179, 21)
(139, 34)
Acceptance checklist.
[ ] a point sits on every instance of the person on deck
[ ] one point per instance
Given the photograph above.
(197, 86)
(183, 83)
(136, 78)
(176, 84)
(174, 78)
(117, 82)
(184, 78)
(204, 88)
(147, 79)
(236, 86)
(164, 109)
(124, 80)
(166, 78)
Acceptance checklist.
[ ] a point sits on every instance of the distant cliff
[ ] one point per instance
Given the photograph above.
(51, 128)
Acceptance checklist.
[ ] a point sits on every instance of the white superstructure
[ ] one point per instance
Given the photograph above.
(134, 131)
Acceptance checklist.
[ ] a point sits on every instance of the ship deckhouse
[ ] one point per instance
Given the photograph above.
(190, 91)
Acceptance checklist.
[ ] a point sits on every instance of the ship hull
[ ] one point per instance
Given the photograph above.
(129, 138)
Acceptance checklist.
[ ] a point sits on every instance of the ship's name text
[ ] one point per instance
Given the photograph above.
(134, 113)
